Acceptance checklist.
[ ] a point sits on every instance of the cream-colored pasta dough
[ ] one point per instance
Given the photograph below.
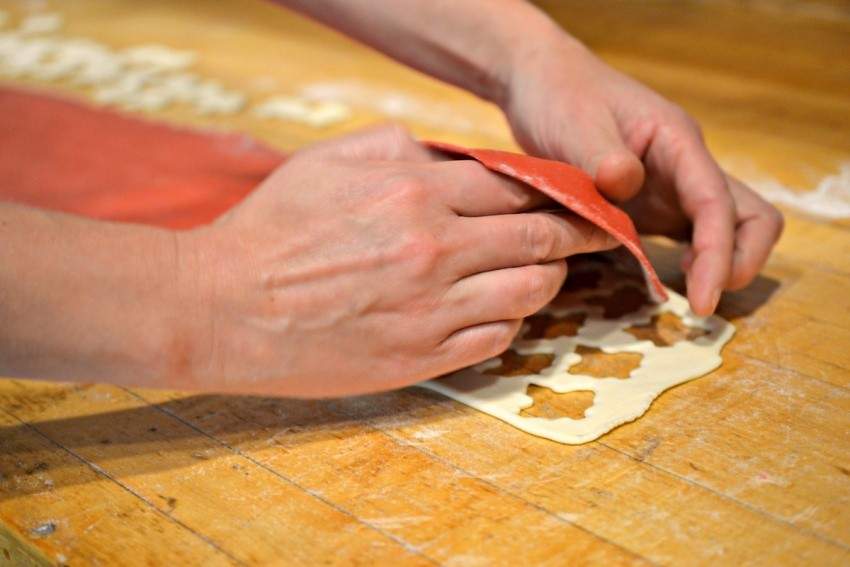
(616, 400)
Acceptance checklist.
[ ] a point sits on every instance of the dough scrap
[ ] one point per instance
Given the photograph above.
(146, 77)
(141, 77)
(615, 400)
(300, 109)
(159, 57)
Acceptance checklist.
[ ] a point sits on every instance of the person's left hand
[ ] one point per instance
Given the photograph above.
(647, 154)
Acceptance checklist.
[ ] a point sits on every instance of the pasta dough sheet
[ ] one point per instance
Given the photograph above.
(606, 341)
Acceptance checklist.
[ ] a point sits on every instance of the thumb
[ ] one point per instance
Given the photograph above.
(389, 142)
(594, 144)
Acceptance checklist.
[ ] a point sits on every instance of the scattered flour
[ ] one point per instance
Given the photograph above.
(569, 517)
(143, 77)
(158, 57)
(427, 433)
(830, 199)
(397, 104)
(152, 77)
(299, 109)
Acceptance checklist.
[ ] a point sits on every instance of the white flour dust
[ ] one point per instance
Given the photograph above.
(397, 104)
(829, 200)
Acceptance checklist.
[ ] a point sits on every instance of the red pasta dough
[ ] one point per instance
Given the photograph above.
(63, 155)
(572, 188)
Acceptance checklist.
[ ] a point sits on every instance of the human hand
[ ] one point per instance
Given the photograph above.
(366, 264)
(646, 153)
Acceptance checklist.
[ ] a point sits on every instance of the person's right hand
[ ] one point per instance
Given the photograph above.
(366, 264)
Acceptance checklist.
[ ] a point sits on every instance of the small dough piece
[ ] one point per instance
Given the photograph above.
(142, 77)
(211, 98)
(20, 56)
(160, 57)
(127, 85)
(616, 400)
(298, 109)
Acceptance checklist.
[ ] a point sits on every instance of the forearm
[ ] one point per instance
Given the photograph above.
(474, 44)
(90, 300)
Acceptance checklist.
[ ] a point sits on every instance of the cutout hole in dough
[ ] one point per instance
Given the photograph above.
(568, 300)
(583, 279)
(515, 364)
(599, 364)
(551, 405)
(545, 326)
(665, 330)
(621, 301)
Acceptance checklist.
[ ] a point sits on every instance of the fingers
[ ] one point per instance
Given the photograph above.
(705, 199)
(466, 187)
(500, 295)
(475, 344)
(594, 143)
(488, 310)
(472, 190)
(381, 143)
(507, 241)
(759, 228)
(712, 244)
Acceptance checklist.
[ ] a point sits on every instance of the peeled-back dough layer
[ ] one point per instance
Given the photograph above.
(572, 188)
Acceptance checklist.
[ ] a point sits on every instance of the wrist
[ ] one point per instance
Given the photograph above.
(187, 345)
(548, 50)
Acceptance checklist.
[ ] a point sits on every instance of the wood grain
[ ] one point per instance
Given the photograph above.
(750, 464)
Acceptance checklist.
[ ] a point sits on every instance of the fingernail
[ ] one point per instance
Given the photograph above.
(715, 299)
(687, 259)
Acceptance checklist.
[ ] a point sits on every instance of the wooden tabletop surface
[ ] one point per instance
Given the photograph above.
(748, 465)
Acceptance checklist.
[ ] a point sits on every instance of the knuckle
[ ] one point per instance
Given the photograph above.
(423, 252)
(518, 199)
(676, 139)
(400, 135)
(720, 200)
(408, 187)
(501, 337)
(409, 190)
(472, 169)
(594, 238)
(540, 285)
(681, 118)
(539, 238)
(514, 197)
(680, 129)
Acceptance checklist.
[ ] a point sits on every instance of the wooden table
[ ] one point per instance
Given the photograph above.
(750, 464)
